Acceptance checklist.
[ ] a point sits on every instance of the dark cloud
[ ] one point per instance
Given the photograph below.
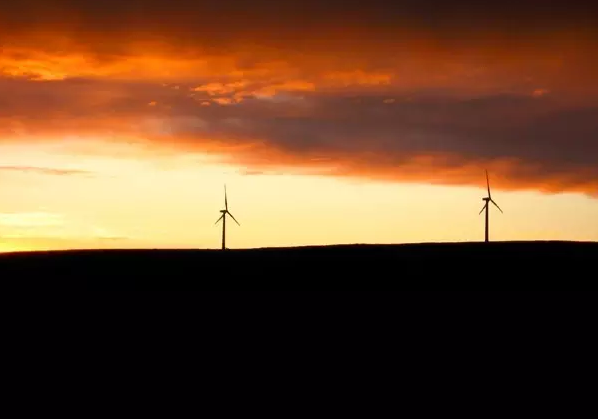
(551, 139)
(185, 11)
(530, 141)
(111, 24)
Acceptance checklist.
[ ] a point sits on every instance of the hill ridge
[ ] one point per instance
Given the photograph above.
(410, 266)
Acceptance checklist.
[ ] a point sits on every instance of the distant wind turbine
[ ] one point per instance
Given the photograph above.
(488, 199)
(223, 218)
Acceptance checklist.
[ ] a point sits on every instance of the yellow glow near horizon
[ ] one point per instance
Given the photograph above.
(172, 201)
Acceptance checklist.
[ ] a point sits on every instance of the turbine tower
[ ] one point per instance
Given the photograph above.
(223, 218)
(487, 200)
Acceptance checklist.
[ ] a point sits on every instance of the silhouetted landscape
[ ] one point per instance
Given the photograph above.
(435, 266)
(122, 124)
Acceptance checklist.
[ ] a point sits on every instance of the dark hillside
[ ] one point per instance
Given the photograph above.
(454, 266)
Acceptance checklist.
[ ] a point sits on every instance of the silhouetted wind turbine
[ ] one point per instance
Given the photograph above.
(223, 218)
(488, 199)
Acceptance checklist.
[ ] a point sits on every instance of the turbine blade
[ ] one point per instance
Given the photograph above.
(496, 205)
(233, 218)
(219, 219)
(488, 184)
(225, 200)
(483, 208)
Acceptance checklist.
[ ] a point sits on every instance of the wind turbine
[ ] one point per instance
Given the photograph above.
(487, 200)
(223, 218)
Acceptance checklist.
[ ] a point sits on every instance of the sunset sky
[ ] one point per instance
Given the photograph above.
(329, 122)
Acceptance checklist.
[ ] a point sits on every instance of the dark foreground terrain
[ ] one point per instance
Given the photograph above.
(451, 266)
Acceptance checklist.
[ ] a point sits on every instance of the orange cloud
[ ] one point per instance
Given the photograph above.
(540, 92)
(381, 94)
(557, 61)
(359, 77)
(235, 92)
(220, 88)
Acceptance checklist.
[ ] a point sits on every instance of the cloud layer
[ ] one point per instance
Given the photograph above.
(401, 93)
(46, 171)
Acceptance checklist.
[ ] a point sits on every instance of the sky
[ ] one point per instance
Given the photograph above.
(329, 122)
